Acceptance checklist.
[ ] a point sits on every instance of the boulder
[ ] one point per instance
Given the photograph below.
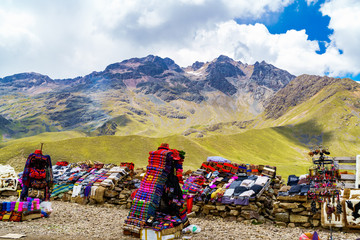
(297, 210)
(282, 217)
(221, 207)
(248, 214)
(281, 224)
(315, 223)
(288, 205)
(291, 225)
(234, 212)
(110, 193)
(294, 218)
(279, 210)
(196, 208)
(209, 207)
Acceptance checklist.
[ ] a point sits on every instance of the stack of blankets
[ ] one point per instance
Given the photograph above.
(147, 198)
(83, 181)
(226, 188)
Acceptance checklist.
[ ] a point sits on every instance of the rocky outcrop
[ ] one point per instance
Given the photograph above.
(302, 89)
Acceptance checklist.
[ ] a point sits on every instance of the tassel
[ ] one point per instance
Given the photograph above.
(338, 208)
(313, 206)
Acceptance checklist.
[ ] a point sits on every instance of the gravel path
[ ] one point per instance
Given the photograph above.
(74, 221)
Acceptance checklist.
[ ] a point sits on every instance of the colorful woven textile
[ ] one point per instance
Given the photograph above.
(147, 198)
(61, 188)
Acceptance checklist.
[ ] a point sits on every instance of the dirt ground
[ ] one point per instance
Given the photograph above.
(74, 221)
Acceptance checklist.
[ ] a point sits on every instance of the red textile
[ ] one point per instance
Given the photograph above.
(189, 204)
(37, 151)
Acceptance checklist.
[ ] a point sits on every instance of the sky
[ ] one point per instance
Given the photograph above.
(70, 38)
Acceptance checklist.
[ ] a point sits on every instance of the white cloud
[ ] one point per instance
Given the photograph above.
(345, 22)
(69, 38)
(310, 2)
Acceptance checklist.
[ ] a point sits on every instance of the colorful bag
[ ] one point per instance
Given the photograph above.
(36, 193)
(6, 217)
(2, 214)
(37, 173)
(16, 217)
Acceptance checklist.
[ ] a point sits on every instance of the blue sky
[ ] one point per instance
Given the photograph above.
(70, 38)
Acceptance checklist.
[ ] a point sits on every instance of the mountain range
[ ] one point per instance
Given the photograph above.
(248, 113)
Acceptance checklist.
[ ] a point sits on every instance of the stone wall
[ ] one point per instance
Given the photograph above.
(295, 211)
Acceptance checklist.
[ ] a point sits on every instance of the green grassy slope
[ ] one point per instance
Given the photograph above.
(331, 118)
(266, 146)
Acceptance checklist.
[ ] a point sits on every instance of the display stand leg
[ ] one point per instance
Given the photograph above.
(331, 238)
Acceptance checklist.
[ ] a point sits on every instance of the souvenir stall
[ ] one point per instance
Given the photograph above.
(219, 180)
(322, 196)
(17, 211)
(87, 181)
(37, 178)
(158, 206)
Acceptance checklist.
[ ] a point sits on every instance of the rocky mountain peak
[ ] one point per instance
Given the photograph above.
(223, 58)
(197, 65)
(267, 75)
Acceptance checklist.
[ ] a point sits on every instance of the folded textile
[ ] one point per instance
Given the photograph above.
(292, 180)
(227, 200)
(76, 190)
(218, 159)
(241, 201)
(61, 188)
(247, 193)
(235, 184)
(256, 188)
(285, 188)
(239, 190)
(229, 192)
(304, 189)
(93, 190)
(247, 183)
(295, 189)
(262, 180)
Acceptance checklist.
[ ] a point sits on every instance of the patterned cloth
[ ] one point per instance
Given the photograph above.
(39, 162)
(147, 199)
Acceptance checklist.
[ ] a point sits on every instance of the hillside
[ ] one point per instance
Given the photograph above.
(266, 146)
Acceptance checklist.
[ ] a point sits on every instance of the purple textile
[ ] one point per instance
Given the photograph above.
(241, 201)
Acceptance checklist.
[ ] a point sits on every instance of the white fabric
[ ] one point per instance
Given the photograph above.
(218, 159)
(76, 191)
(229, 192)
(261, 180)
(247, 193)
(93, 190)
(247, 183)
(116, 169)
(115, 176)
(6, 171)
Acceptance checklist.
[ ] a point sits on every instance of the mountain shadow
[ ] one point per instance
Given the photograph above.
(307, 134)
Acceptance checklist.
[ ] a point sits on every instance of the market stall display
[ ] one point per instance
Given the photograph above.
(158, 204)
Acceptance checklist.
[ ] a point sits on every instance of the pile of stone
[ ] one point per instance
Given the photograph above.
(292, 211)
